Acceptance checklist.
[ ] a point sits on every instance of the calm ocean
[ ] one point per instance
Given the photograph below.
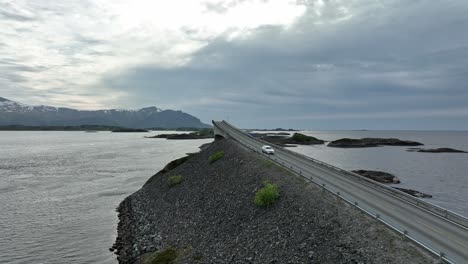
(59, 190)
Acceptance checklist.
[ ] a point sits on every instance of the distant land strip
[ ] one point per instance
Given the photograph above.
(83, 128)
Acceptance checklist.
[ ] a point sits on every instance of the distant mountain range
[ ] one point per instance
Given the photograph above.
(14, 113)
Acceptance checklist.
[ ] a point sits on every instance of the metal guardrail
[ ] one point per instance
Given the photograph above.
(452, 219)
(445, 213)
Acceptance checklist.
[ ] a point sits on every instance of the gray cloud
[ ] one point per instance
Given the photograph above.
(7, 15)
(222, 7)
(343, 64)
(391, 59)
(9, 12)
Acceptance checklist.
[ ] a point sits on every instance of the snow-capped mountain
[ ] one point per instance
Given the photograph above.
(11, 106)
(14, 113)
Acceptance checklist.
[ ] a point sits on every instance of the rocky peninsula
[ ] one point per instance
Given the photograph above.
(202, 209)
(200, 134)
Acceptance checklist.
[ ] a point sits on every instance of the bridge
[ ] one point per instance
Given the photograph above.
(440, 231)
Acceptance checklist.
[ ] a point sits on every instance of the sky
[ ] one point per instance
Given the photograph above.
(313, 64)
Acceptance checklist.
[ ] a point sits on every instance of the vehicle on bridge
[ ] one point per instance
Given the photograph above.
(268, 150)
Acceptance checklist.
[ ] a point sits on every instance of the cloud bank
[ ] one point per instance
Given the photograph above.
(309, 64)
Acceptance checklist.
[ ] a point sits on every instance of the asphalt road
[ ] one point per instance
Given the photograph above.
(426, 224)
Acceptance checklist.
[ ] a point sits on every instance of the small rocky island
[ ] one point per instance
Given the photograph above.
(414, 192)
(205, 209)
(436, 150)
(388, 178)
(371, 142)
(378, 176)
(283, 139)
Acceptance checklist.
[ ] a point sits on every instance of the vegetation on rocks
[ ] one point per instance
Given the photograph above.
(301, 138)
(216, 156)
(212, 218)
(174, 180)
(267, 195)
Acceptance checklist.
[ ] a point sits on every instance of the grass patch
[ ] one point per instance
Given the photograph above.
(216, 156)
(271, 164)
(166, 256)
(197, 257)
(267, 195)
(174, 180)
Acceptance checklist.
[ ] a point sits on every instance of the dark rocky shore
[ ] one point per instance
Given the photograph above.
(200, 134)
(211, 217)
(129, 130)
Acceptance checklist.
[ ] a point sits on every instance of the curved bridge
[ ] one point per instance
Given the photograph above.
(437, 230)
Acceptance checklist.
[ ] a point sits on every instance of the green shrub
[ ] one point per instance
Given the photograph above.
(216, 156)
(267, 195)
(205, 132)
(174, 180)
(166, 256)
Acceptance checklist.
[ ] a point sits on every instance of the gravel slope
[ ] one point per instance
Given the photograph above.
(211, 218)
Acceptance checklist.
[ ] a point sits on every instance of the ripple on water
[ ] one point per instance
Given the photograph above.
(59, 191)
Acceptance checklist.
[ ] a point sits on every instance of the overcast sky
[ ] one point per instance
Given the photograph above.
(351, 64)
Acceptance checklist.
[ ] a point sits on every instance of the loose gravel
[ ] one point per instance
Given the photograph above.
(211, 217)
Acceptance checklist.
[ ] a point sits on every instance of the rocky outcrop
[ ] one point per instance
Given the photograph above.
(201, 134)
(378, 176)
(371, 142)
(211, 217)
(441, 150)
(387, 178)
(414, 193)
(285, 141)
